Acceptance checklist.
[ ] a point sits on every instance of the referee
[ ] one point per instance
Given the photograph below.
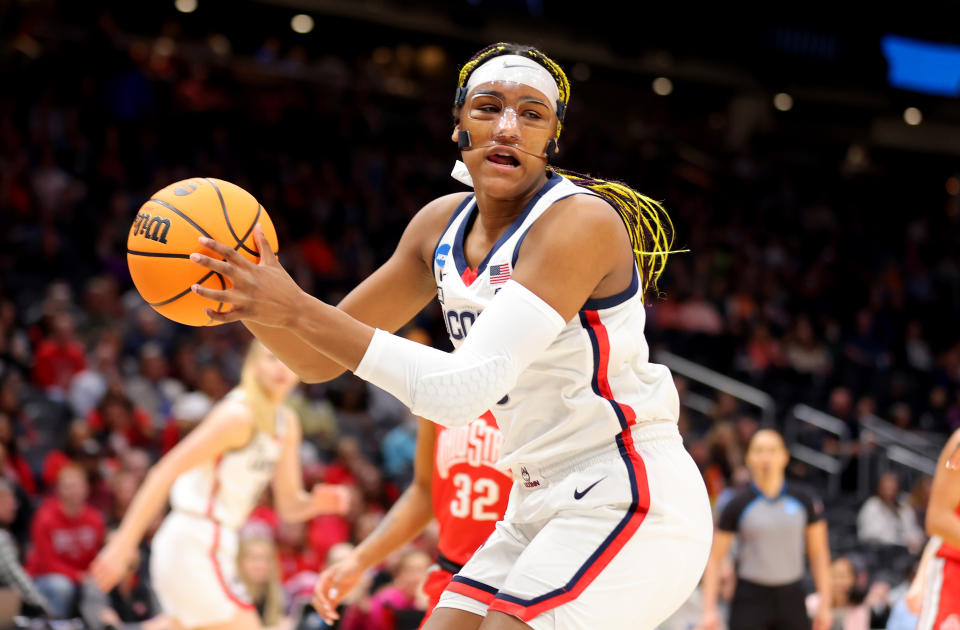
(774, 521)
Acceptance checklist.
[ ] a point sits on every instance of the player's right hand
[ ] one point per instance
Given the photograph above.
(914, 597)
(709, 621)
(110, 565)
(335, 583)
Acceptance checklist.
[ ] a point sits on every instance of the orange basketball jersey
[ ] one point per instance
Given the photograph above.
(469, 492)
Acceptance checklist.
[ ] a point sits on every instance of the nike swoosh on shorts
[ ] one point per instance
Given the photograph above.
(577, 494)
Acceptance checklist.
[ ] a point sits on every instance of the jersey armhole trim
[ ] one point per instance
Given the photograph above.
(453, 217)
(598, 304)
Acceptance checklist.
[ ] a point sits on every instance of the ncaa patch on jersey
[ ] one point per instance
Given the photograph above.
(441, 256)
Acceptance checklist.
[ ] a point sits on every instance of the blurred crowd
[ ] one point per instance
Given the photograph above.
(821, 274)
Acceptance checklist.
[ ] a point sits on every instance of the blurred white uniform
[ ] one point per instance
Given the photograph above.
(193, 559)
(608, 524)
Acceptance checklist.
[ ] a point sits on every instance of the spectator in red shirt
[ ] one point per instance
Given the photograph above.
(119, 424)
(59, 356)
(294, 555)
(67, 534)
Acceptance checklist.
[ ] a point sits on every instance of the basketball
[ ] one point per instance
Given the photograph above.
(165, 233)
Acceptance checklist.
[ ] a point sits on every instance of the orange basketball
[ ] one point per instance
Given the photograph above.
(165, 233)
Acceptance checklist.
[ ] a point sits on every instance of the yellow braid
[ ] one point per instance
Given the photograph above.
(648, 224)
(488, 52)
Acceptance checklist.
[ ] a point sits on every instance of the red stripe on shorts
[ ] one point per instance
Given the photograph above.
(216, 542)
(589, 572)
(470, 591)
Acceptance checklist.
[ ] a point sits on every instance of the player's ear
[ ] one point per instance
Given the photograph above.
(455, 136)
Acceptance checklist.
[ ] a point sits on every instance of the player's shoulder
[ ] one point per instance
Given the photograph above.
(428, 224)
(437, 213)
(578, 220)
(232, 411)
(586, 209)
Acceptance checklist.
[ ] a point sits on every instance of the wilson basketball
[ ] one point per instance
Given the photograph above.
(165, 233)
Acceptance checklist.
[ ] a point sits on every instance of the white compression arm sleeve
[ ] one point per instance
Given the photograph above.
(454, 388)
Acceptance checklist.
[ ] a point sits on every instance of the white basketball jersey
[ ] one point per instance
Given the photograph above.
(591, 384)
(226, 490)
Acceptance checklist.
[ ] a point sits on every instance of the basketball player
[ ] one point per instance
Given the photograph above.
(455, 480)
(214, 477)
(941, 578)
(542, 287)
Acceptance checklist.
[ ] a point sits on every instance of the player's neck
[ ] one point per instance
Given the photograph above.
(770, 487)
(496, 214)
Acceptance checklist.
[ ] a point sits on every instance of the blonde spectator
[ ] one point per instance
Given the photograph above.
(258, 570)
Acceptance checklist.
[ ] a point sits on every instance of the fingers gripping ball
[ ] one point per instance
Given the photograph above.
(165, 233)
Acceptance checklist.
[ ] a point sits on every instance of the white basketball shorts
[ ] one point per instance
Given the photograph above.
(617, 539)
(193, 567)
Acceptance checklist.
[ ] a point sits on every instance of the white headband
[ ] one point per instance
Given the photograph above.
(516, 69)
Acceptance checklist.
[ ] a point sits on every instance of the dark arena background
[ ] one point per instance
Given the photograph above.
(811, 166)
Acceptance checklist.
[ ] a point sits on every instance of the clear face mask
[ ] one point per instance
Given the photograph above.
(524, 113)
(525, 124)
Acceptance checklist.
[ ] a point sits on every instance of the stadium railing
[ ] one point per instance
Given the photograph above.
(886, 447)
(809, 424)
(719, 382)
(882, 445)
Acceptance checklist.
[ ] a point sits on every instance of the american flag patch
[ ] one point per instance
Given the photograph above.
(499, 273)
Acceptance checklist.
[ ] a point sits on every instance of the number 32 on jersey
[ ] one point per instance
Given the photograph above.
(474, 497)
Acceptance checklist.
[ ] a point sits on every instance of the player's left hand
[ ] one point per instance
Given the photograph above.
(331, 499)
(823, 620)
(334, 584)
(264, 293)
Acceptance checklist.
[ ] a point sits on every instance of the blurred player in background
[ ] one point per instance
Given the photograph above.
(456, 481)
(213, 478)
(940, 569)
(541, 274)
(774, 522)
